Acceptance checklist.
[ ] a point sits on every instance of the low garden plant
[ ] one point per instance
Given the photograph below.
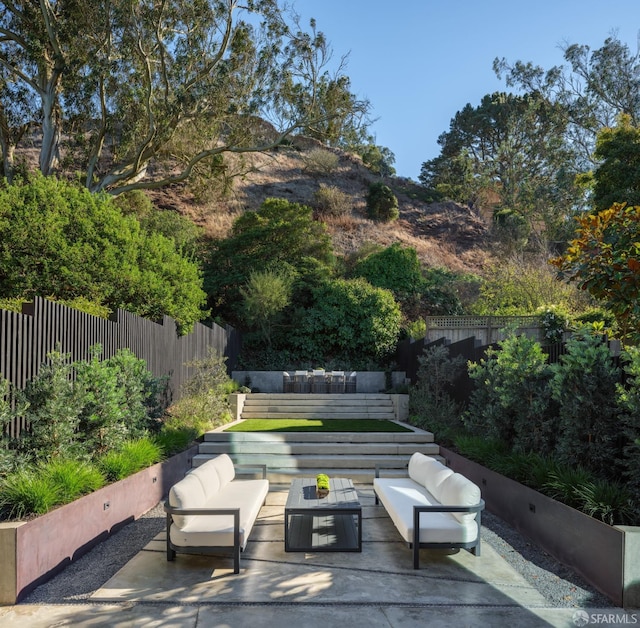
(96, 422)
(569, 430)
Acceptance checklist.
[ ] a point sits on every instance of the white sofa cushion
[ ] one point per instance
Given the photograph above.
(399, 495)
(217, 530)
(457, 490)
(436, 478)
(420, 466)
(187, 493)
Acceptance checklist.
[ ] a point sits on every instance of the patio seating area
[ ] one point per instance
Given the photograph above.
(375, 588)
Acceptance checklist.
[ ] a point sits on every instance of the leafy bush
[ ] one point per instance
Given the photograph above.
(62, 241)
(514, 288)
(348, 320)
(107, 403)
(481, 449)
(430, 402)
(280, 234)
(511, 399)
(203, 404)
(53, 411)
(584, 387)
(382, 203)
(628, 400)
(395, 268)
(173, 440)
(329, 200)
(574, 486)
(266, 294)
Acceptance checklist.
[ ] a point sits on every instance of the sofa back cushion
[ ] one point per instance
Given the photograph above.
(420, 466)
(187, 493)
(456, 490)
(224, 468)
(436, 478)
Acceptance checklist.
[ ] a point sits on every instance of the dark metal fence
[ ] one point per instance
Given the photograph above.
(44, 326)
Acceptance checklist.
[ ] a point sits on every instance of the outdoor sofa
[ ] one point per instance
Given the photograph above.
(433, 507)
(210, 511)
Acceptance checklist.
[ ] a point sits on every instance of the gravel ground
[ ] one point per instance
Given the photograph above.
(559, 584)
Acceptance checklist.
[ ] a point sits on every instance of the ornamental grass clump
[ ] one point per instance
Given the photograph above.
(27, 492)
(130, 458)
(72, 478)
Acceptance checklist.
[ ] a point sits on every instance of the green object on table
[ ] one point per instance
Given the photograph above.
(322, 482)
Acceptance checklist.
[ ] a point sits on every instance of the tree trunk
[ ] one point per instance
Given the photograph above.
(50, 151)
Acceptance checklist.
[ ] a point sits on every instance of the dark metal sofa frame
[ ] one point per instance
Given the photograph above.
(416, 545)
(211, 550)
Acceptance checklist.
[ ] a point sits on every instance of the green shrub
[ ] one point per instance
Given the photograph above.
(382, 203)
(173, 440)
(480, 449)
(628, 400)
(584, 387)
(395, 268)
(204, 403)
(430, 401)
(347, 320)
(61, 240)
(53, 411)
(511, 398)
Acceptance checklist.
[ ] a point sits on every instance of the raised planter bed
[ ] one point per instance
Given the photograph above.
(605, 556)
(34, 551)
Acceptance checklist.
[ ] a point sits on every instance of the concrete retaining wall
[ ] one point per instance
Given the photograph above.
(272, 381)
(34, 551)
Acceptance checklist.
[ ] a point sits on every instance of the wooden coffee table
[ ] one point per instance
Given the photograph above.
(329, 524)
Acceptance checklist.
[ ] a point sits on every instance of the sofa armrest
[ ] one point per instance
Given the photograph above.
(417, 510)
(200, 511)
(235, 512)
(442, 508)
(254, 467)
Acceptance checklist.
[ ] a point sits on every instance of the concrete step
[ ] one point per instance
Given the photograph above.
(300, 397)
(318, 406)
(278, 448)
(319, 413)
(415, 436)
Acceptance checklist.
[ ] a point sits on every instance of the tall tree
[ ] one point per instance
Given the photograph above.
(594, 89)
(144, 92)
(616, 179)
(509, 148)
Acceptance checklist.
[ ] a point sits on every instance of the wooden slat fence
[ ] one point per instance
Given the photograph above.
(26, 338)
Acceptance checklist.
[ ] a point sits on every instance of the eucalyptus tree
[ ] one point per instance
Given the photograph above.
(143, 93)
(594, 89)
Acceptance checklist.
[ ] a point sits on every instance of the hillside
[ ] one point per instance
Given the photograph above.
(443, 234)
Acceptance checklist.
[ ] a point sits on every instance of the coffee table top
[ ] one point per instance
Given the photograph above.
(302, 495)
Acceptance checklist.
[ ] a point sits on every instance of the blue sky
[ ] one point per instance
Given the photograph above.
(420, 61)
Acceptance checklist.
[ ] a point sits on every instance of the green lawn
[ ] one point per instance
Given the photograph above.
(317, 425)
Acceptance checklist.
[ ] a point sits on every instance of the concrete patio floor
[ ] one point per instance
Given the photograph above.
(375, 588)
